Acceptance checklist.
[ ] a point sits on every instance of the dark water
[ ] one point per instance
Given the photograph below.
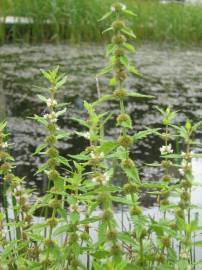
(172, 75)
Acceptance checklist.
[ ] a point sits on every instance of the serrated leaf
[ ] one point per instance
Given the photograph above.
(40, 148)
(144, 133)
(61, 82)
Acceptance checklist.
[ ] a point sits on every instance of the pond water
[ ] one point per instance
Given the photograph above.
(173, 75)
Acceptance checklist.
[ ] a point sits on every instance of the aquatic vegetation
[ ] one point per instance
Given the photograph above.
(74, 224)
(76, 21)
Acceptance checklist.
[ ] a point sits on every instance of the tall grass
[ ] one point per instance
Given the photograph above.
(77, 21)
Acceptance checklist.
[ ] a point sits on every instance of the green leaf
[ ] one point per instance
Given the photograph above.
(102, 229)
(61, 112)
(105, 16)
(124, 60)
(74, 217)
(90, 220)
(42, 98)
(144, 133)
(128, 32)
(132, 173)
(126, 201)
(113, 82)
(3, 125)
(63, 160)
(107, 30)
(40, 148)
(121, 153)
(42, 168)
(63, 135)
(102, 99)
(108, 147)
(133, 70)
(110, 49)
(40, 119)
(129, 12)
(130, 47)
(105, 70)
(61, 82)
(137, 95)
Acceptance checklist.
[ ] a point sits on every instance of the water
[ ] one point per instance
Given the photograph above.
(172, 75)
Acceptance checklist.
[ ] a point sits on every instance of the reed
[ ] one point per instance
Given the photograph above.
(77, 21)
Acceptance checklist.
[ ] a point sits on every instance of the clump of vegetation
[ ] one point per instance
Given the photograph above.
(78, 227)
(77, 21)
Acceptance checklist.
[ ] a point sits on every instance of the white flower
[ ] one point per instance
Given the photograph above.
(101, 179)
(123, 7)
(181, 171)
(102, 155)
(52, 117)
(73, 207)
(97, 155)
(51, 102)
(86, 135)
(166, 149)
(105, 178)
(4, 145)
(113, 9)
(94, 180)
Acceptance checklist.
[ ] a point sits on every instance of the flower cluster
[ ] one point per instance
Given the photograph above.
(51, 102)
(166, 149)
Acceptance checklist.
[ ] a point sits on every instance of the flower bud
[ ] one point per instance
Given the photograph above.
(55, 204)
(52, 162)
(186, 183)
(165, 241)
(52, 222)
(115, 250)
(73, 238)
(127, 163)
(118, 7)
(125, 141)
(130, 188)
(136, 211)
(53, 175)
(185, 196)
(6, 167)
(119, 39)
(85, 236)
(167, 178)
(121, 75)
(103, 198)
(51, 140)
(52, 152)
(120, 93)
(119, 52)
(112, 235)
(107, 215)
(123, 118)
